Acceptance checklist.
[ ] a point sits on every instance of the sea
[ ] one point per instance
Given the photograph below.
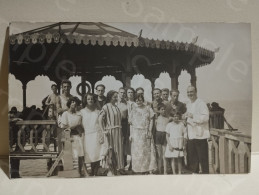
(238, 114)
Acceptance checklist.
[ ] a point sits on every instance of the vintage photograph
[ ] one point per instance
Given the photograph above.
(90, 99)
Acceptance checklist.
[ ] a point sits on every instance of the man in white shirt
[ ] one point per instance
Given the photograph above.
(198, 132)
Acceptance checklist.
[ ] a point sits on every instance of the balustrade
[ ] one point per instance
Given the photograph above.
(230, 152)
(32, 134)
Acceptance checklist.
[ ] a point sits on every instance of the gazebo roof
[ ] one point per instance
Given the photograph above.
(92, 33)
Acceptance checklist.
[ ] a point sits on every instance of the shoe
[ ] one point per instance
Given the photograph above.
(122, 172)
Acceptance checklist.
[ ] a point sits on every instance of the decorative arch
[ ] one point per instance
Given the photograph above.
(110, 83)
(139, 80)
(37, 93)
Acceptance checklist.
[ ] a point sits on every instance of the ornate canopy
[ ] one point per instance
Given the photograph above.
(93, 50)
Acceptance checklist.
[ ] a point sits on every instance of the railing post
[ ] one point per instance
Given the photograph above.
(223, 153)
(243, 151)
(21, 138)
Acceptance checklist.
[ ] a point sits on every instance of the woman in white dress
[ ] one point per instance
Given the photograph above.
(92, 133)
(71, 119)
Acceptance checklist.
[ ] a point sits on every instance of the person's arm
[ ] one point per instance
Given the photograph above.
(184, 129)
(202, 116)
(47, 102)
(168, 142)
(64, 121)
(101, 118)
(59, 109)
(151, 122)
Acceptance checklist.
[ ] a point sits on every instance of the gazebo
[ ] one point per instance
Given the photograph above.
(93, 50)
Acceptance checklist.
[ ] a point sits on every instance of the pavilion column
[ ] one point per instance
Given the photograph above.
(24, 86)
(83, 81)
(174, 81)
(127, 74)
(193, 80)
(126, 79)
(92, 86)
(153, 80)
(174, 72)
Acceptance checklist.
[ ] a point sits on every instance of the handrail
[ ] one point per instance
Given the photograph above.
(230, 152)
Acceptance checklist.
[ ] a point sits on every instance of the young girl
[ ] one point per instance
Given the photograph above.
(176, 139)
(161, 123)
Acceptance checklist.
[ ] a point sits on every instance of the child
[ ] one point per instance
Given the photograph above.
(176, 139)
(161, 123)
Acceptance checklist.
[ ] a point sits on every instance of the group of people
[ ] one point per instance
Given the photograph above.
(156, 135)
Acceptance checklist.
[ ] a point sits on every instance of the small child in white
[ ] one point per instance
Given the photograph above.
(176, 135)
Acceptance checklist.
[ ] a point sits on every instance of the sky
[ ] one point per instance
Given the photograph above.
(228, 77)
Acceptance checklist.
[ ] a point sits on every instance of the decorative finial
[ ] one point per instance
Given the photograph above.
(195, 39)
(140, 33)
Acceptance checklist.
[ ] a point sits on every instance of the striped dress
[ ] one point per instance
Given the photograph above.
(112, 120)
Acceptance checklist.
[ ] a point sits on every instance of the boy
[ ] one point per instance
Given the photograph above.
(161, 123)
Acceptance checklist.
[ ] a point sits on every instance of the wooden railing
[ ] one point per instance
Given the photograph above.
(230, 152)
(32, 133)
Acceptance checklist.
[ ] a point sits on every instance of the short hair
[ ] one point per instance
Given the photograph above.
(174, 90)
(161, 105)
(172, 114)
(166, 90)
(100, 85)
(139, 96)
(156, 89)
(66, 81)
(122, 88)
(139, 88)
(84, 100)
(54, 85)
(109, 95)
(130, 88)
(73, 99)
(13, 110)
(192, 87)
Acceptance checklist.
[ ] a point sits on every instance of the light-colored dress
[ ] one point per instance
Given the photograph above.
(130, 105)
(92, 146)
(112, 120)
(177, 133)
(142, 148)
(72, 120)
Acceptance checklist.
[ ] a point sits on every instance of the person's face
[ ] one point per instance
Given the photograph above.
(174, 96)
(139, 102)
(130, 94)
(122, 94)
(165, 95)
(11, 115)
(162, 111)
(114, 98)
(157, 94)
(90, 100)
(73, 105)
(191, 93)
(66, 87)
(140, 92)
(176, 118)
(54, 89)
(100, 91)
(50, 113)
